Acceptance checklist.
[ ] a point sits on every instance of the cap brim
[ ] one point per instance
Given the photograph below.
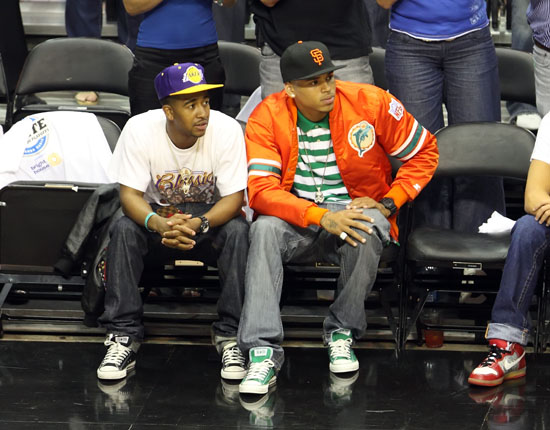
(197, 89)
(319, 73)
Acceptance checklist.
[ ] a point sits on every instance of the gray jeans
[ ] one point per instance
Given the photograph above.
(542, 79)
(273, 243)
(132, 248)
(356, 70)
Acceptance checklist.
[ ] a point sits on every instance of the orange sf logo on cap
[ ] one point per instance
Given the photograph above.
(317, 56)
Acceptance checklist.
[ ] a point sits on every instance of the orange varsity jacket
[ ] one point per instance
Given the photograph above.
(367, 124)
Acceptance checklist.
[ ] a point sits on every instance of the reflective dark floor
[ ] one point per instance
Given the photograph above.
(52, 385)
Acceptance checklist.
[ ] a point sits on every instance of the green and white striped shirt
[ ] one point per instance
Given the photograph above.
(317, 163)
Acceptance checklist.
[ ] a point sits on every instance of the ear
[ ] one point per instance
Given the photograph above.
(168, 112)
(289, 89)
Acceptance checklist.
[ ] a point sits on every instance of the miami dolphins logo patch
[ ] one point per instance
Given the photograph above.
(361, 137)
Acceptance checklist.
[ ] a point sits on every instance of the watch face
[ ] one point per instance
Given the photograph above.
(205, 225)
(389, 204)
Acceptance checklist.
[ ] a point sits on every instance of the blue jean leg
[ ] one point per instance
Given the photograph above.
(273, 243)
(358, 270)
(463, 75)
(83, 18)
(529, 245)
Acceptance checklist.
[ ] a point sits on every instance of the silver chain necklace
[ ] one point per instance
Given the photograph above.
(319, 196)
(186, 174)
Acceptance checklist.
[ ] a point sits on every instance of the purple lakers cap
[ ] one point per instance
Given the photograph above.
(185, 78)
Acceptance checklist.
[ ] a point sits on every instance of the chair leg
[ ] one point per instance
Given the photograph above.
(386, 305)
(3, 295)
(414, 295)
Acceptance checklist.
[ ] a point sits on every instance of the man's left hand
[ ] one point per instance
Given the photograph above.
(368, 203)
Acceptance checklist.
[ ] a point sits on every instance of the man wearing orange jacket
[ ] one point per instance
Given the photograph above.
(321, 182)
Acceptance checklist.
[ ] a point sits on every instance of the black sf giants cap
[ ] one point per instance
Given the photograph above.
(306, 60)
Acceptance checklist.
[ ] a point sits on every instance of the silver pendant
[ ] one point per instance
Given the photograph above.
(319, 197)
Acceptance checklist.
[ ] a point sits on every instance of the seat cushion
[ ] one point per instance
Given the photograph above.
(434, 245)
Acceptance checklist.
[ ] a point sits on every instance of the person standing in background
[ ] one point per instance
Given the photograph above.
(538, 15)
(342, 26)
(171, 32)
(442, 53)
(523, 114)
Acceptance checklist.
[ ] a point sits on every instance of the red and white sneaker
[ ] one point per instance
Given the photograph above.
(506, 360)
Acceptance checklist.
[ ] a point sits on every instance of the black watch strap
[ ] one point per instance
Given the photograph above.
(389, 204)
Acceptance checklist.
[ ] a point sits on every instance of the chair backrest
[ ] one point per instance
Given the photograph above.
(517, 75)
(484, 149)
(76, 64)
(111, 131)
(376, 60)
(242, 67)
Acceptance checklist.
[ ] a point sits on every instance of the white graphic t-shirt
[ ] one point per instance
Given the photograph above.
(542, 144)
(145, 159)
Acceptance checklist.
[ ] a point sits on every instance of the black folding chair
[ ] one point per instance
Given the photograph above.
(75, 64)
(473, 149)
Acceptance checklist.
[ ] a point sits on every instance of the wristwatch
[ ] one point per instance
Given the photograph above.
(389, 204)
(205, 225)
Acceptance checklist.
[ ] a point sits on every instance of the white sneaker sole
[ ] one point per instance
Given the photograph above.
(257, 388)
(342, 368)
(112, 375)
(233, 374)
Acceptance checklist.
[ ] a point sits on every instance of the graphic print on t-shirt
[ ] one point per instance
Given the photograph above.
(186, 186)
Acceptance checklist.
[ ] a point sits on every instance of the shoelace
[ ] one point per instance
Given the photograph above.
(116, 353)
(495, 353)
(233, 356)
(259, 370)
(340, 348)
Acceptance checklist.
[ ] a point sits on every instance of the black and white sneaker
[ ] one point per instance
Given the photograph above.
(120, 357)
(233, 362)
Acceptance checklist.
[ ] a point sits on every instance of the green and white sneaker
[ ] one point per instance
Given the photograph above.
(261, 372)
(342, 357)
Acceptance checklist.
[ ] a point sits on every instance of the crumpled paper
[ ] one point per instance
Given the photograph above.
(497, 224)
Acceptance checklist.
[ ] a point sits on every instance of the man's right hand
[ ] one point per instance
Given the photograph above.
(177, 231)
(343, 221)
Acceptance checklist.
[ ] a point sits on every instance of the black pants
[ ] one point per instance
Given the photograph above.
(13, 47)
(149, 62)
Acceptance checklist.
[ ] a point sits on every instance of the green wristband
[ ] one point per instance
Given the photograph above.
(147, 220)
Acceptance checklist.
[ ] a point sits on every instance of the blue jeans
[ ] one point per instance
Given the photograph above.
(522, 40)
(132, 248)
(510, 319)
(273, 243)
(463, 75)
(271, 81)
(84, 18)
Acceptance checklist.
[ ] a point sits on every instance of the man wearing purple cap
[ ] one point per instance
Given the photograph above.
(182, 175)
